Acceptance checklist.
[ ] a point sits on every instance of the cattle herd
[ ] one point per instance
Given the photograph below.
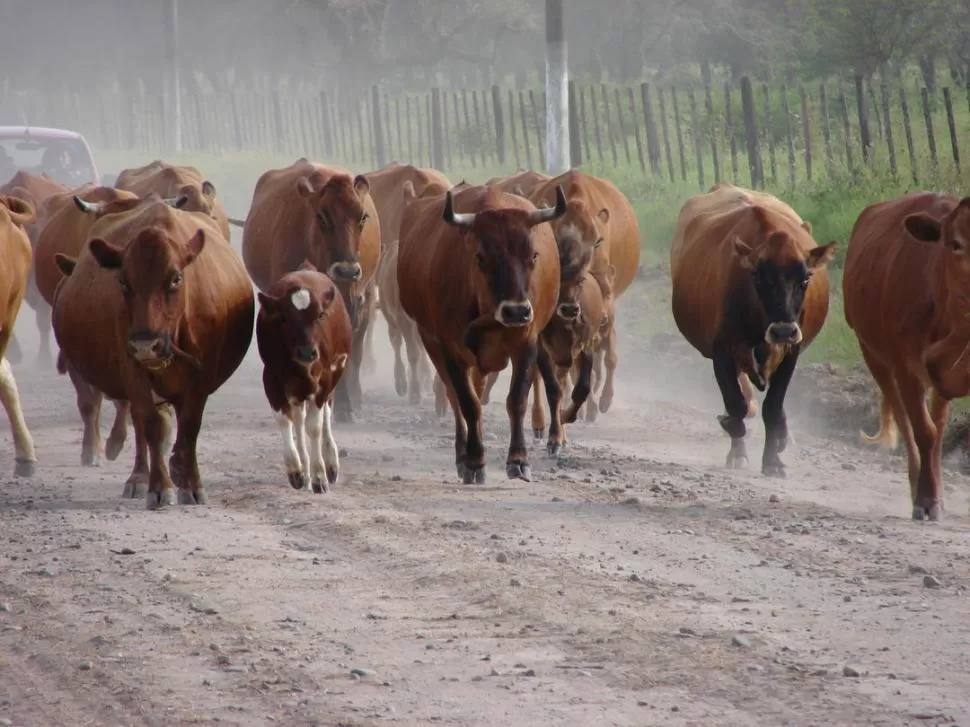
(152, 308)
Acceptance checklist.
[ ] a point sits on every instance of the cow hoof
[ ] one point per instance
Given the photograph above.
(414, 397)
(773, 470)
(934, 513)
(605, 404)
(554, 448)
(320, 487)
(134, 489)
(298, 480)
(24, 468)
(736, 461)
(331, 473)
(400, 385)
(591, 413)
(192, 497)
(472, 476)
(518, 471)
(112, 448)
(160, 500)
(539, 434)
(90, 460)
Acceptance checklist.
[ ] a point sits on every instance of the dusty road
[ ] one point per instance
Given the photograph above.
(634, 582)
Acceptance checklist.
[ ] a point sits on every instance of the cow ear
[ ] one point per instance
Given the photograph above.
(821, 255)
(194, 246)
(603, 215)
(742, 252)
(923, 227)
(304, 188)
(107, 255)
(208, 189)
(807, 226)
(361, 186)
(268, 304)
(64, 263)
(407, 190)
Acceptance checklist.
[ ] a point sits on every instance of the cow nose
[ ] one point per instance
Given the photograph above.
(307, 354)
(148, 348)
(514, 314)
(569, 311)
(783, 333)
(346, 271)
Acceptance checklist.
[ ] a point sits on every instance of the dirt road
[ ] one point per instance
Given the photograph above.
(634, 582)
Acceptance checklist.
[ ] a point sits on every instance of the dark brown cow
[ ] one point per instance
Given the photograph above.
(36, 189)
(303, 333)
(523, 182)
(172, 181)
(481, 283)
(751, 292)
(15, 214)
(907, 273)
(307, 211)
(157, 311)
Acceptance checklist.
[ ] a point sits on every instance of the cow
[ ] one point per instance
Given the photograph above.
(479, 274)
(392, 187)
(904, 285)
(303, 334)
(599, 229)
(36, 189)
(70, 218)
(172, 181)
(15, 215)
(750, 292)
(523, 182)
(309, 211)
(158, 311)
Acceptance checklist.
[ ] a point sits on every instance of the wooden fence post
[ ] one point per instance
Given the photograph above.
(862, 103)
(789, 140)
(908, 130)
(653, 144)
(636, 131)
(770, 133)
(887, 123)
(712, 130)
(806, 132)
(525, 130)
(619, 118)
(537, 120)
(666, 132)
(696, 136)
(609, 124)
(730, 130)
(846, 128)
(513, 136)
(928, 120)
(751, 133)
(377, 126)
(826, 130)
(437, 132)
(575, 142)
(680, 135)
(951, 123)
(594, 110)
(582, 117)
(499, 124)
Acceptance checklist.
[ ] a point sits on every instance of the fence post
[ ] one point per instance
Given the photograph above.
(499, 124)
(696, 137)
(951, 122)
(666, 132)
(789, 136)
(680, 134)
(377, 124)
(653, 144)
(437, 132)
(619, 118)
(575, 143)
(513, 135)
(862, 103)
(730, 130)
(888, 131)
(585, 124)
(609, 124)
(636, 132)
(806, 131)
(928, 120)
(540, 140)
(770, 132)
(826, 129)
(594, 110)
(908, 129)
(846, 128)
(751, 133)
(709, 109)
(525, 130)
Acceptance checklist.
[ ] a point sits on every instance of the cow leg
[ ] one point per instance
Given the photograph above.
(557, 436)
(89, 406)
(773, 414)
(610, 360)
(25, 460)
(397, 340)
(157, 428)
(137, 483)
(891, 407)
(489, 383)
(517, 464)
(324, 457)
(417, 363)
(735, 406)
(291, 455)
(14, 352)
(358, 349)
(42, 314)
(184, 461)
(927, 495)
(119, 431)
(582, 388)
(538, 413)
(440, 395)
(562, 376)
(469, 408)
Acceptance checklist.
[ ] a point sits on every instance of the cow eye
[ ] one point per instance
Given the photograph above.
(535, 256)
(175, 281)
(321, 315)
(804, 283)
(363, 218)
(597, 243)
(324, 222)
(480, 259)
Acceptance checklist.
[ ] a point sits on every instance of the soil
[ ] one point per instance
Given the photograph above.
(634, 581)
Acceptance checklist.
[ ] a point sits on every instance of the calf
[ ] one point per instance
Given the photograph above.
(303, 333)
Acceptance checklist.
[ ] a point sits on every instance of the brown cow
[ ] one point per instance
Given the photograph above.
(523, 182)
(155, 314)
(70, 217)
(751, 292)
(481, 285)
(307, 211)
(303, 334)
(15, 214)
(905, 282)
(36, 189)
(172, 181)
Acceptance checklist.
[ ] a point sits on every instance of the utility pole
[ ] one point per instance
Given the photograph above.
(557, 91)
(174, 111)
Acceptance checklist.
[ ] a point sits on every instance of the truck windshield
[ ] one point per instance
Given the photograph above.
(63, 160)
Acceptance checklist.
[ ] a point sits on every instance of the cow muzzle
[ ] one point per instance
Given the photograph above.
(787, 333)
(568, 311)
(348, 272)
(514, 313)
(305, 354)
(151, 351)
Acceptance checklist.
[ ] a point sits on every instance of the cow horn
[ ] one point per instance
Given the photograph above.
(87, 207)
(452, 218)
(546, 214)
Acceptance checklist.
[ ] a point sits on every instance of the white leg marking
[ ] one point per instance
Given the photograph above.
(330, 454)
(291, 458)
(10, 398)
(314, 428)
(299, 425)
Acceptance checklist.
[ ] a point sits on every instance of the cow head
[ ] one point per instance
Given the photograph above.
(780, 273)
(571, 293)
(21, 211)
(505, 256)
(151, 274)
(579, 234)
(195, 198)
(103, 201)
(301, 315)
(336, 220)
(952, 231)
